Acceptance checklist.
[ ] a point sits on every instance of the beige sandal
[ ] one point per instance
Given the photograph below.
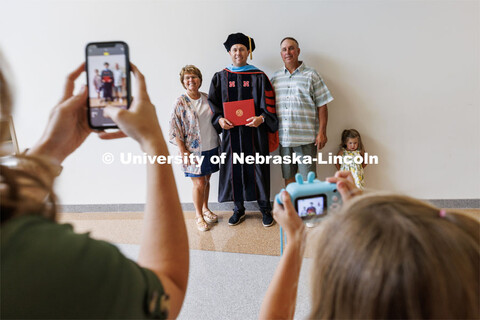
(202, 225)
(210, 217)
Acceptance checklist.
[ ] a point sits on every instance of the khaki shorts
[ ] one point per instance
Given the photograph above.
(289, 170)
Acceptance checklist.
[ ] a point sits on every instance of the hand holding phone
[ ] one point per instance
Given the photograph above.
(140, 122)
(67, 126)
(108, 80)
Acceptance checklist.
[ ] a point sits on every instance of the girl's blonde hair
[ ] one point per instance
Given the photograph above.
(391, 256)
(351, 134)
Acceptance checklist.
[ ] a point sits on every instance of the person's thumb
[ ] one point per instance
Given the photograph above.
(344, 190)
(287, 201)
(77, 100)
(114, 113)
(82, 94)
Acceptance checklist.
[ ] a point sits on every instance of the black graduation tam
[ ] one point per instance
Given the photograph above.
(239, 38)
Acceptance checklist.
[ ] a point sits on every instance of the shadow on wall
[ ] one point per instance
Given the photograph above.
(348, 110)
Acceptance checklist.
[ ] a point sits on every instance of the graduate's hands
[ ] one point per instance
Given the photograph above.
(67, 126)
(346, 185)
(254, 121)
(225, 124)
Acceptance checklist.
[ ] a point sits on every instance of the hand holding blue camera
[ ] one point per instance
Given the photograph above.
(286, 215)
(313, 198)
(345, 184)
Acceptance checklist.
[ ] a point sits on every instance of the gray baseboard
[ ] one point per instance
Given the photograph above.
(227, 206)
(138, 207)
(456, 203)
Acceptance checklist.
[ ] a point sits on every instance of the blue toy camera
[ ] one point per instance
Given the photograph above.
(314, 198)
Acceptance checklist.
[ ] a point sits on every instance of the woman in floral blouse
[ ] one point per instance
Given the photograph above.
(192, 131)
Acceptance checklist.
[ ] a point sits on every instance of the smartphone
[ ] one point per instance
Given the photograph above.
(108, 80)
(311, 207)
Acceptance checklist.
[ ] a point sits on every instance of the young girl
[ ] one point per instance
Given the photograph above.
(352, 146)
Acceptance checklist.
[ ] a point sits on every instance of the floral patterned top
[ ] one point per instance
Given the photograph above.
(355, 169)
(184, 125)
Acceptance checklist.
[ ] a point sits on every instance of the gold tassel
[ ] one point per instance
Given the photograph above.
(250, 47)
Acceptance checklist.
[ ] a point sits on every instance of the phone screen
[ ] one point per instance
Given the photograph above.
(313, 206)
(108, 76)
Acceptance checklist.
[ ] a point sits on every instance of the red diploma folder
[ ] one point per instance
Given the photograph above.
(237, 112)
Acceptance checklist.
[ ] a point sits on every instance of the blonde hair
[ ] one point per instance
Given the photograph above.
(391, 256)
(31, 173)
(190, 69)
(351, 134)
(6, 99)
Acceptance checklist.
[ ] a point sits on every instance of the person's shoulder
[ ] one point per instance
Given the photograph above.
(25, 227)
(262, 76)
(309, 70)
(314, 76)
(181, 101)
(31, 222)
(255, 71)
(218, 73)
(278, 73)
(259, 71)
(55, 237)
(40, 235)
(313, 73)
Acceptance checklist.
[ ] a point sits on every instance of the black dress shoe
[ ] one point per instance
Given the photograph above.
(267, 219)
(236, 218)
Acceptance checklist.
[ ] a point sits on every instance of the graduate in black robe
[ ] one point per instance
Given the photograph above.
(241, 81)
(107, 80)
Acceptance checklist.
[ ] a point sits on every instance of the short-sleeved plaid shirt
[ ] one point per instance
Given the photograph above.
(298, 95)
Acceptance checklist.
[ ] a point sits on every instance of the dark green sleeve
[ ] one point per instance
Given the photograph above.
(48, 271)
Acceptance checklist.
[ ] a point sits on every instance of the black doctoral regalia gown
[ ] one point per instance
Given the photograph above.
(244, 182)
(107, 79)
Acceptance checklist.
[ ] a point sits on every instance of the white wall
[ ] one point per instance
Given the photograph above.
(404, 73)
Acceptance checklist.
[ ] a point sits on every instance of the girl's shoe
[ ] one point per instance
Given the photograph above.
(210, 217)
(202, 225)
